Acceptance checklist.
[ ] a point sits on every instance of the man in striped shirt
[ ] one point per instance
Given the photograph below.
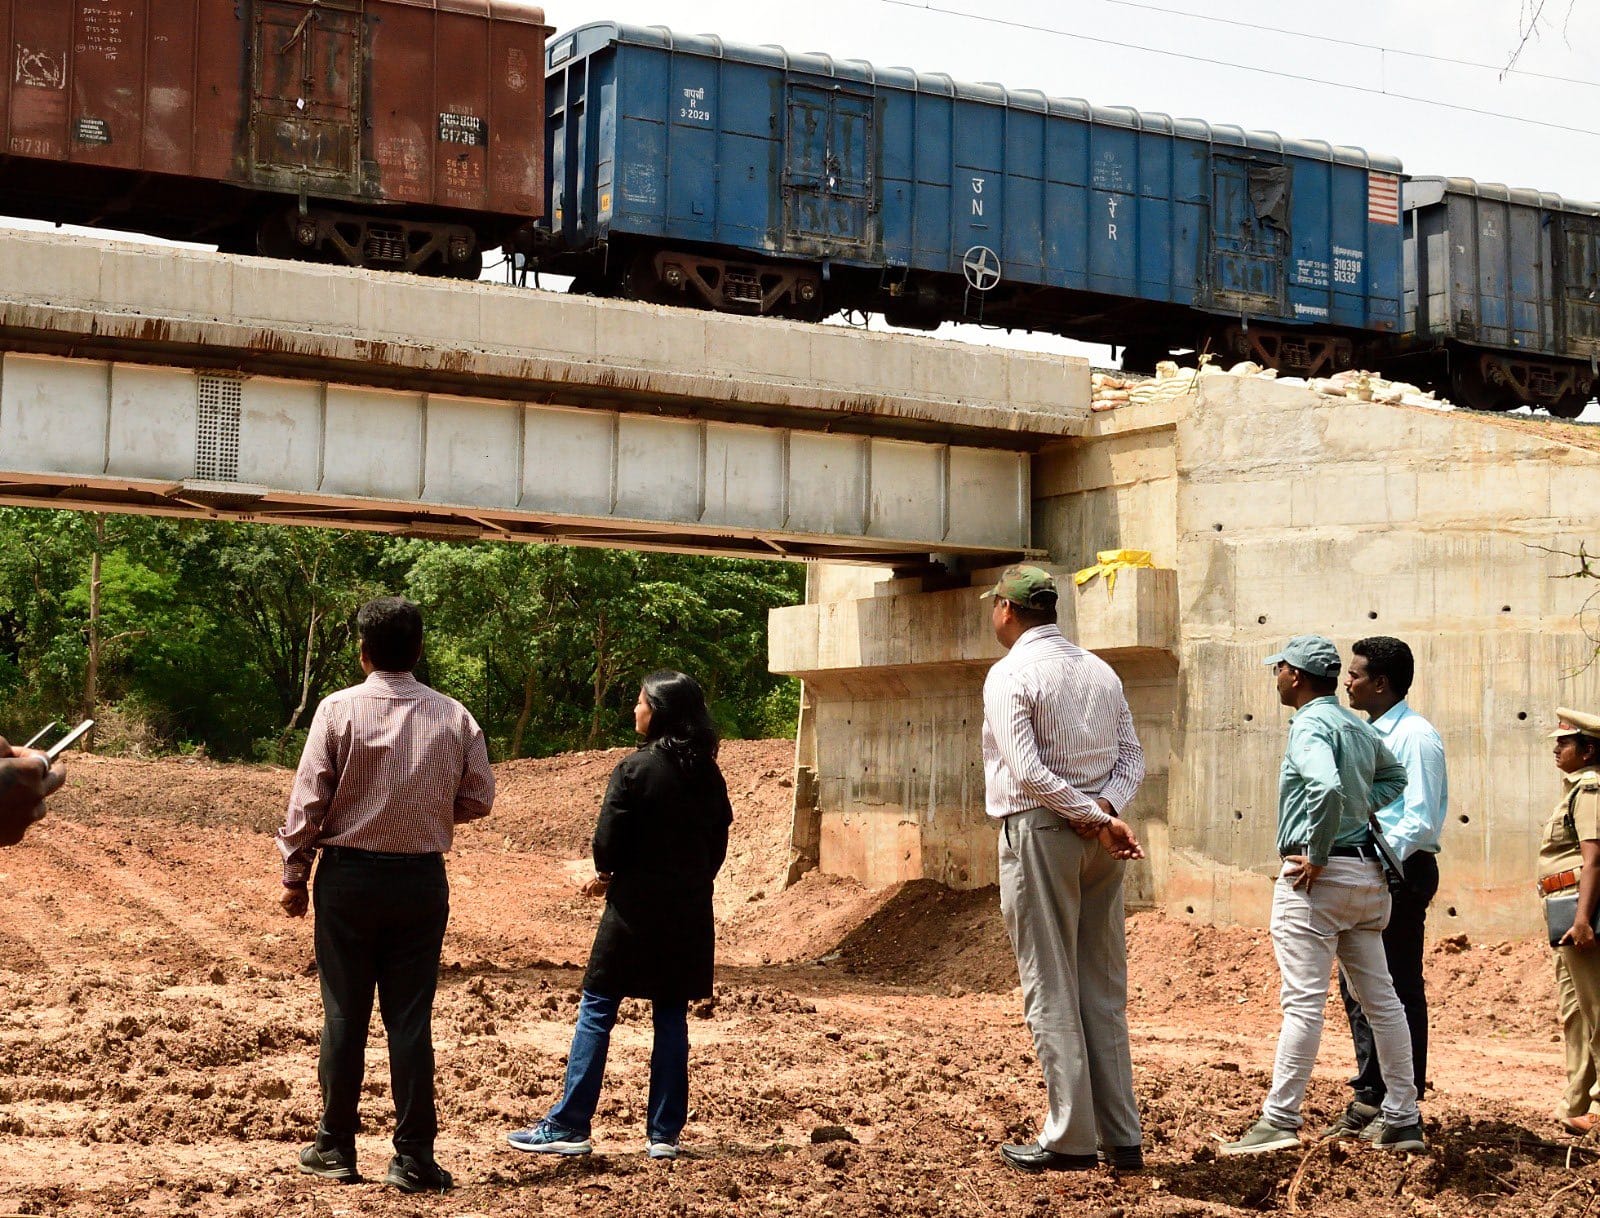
(390, 768)
(1061, 761)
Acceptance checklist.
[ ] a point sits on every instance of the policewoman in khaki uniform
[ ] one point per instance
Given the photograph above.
(1569, 860)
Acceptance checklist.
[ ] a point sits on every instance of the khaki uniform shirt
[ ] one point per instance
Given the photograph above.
(1559, 851)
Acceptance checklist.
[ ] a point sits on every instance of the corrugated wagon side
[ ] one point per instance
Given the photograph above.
(756, 180)
(395, 133)
(1503, 294)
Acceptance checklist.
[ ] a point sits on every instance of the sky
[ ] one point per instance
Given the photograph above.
(1276, 66)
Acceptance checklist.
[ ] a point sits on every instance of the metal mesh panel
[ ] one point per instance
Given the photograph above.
(216, 457)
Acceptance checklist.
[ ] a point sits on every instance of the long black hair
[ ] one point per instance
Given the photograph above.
(680, 724)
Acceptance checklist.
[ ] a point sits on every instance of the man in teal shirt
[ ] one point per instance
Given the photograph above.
(1331, 900)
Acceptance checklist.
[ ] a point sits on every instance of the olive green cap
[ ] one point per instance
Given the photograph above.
(1030, 587)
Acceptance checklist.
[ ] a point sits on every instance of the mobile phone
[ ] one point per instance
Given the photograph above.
(61, 746)
(40, 734)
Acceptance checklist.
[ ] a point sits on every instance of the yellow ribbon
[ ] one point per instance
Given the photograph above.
(1109, 562)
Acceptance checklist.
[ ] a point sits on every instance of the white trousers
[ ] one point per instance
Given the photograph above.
(1342, 917)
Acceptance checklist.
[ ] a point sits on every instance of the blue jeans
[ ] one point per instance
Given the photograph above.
(586, 1067)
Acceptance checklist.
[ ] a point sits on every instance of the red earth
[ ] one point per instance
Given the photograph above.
(158, 1029)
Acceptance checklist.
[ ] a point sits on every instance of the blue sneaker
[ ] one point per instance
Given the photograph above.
(547, 1139)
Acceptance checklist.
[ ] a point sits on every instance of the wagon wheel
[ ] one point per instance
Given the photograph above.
(1143, 357)
(274, 238)
(1568, 405)
(637, 279)
(1468, 388)
(469, 268)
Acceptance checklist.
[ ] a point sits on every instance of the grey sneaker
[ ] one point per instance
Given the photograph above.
(337, 1165)
(1399, 1137)
(662, 1150)
(1352, 1122)
(1261, 1138)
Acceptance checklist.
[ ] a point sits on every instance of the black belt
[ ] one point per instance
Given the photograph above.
(1364, 851)
(350, 854)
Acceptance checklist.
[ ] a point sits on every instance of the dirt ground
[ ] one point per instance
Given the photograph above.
(158, 1028)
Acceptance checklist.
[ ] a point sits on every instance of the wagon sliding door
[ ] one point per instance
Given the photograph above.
(1578, 290)
(828, 204)
(1249, 235)
(305, 98)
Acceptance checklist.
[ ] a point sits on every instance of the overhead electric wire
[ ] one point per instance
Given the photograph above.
(1501, 69)
(1033, 28)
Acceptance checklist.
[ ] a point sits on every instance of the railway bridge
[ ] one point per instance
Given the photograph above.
(904, 470)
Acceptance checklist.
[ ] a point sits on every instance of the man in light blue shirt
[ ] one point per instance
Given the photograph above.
(1380, 676)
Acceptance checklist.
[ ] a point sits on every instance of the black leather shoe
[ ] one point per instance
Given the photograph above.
(1033, 1157)
(329, 1164)
(1123, 1158)
(414, 1176)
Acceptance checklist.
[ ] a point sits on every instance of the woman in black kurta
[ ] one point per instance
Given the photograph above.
(661, 838)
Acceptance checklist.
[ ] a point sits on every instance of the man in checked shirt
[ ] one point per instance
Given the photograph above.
(1060, 762)
(390, 768)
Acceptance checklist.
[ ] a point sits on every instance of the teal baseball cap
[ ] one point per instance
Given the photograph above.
(1309, 653)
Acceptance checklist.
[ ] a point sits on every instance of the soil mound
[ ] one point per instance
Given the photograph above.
(927, 935)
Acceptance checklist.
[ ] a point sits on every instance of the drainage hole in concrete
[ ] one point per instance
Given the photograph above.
(1451, 911)
(1262, 620)
(1218, 528)
(1190, 908)
(1522, 715)
(1237, 815)
(1249, 718)
(1505, 608)
(1373, 614)
(1466, 820)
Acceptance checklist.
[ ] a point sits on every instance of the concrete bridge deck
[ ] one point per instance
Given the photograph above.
(150, 379)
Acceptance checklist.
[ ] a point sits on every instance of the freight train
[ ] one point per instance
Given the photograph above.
(405, 134)
(415, 134)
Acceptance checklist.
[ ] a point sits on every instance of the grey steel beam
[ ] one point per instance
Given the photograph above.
(176, 441)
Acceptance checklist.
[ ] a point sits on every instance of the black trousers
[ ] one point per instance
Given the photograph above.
(1403, 945)
(380, 926)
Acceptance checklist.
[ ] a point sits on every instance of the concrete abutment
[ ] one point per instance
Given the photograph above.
(1269, 511)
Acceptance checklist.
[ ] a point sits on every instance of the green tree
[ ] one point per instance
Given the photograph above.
(227, 635)
(293, 594)
(500, 602)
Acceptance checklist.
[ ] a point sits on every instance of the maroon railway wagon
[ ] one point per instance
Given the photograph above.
(401, 134)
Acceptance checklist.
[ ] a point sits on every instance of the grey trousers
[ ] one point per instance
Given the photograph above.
(1062, 901)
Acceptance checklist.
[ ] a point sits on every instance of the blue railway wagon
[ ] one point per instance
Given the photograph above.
(1504, 286)
(752, 179)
